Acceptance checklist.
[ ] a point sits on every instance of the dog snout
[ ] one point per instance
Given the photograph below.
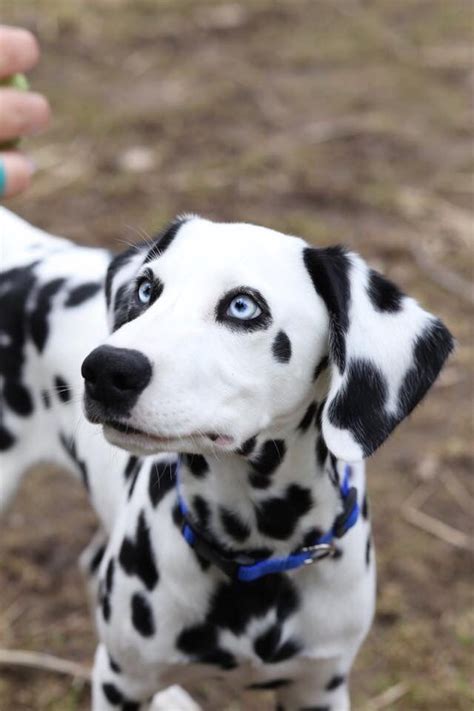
(115, 377)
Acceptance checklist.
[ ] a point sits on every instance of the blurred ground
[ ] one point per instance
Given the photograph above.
(341, 121)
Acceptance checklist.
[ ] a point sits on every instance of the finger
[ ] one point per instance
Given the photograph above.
(19, 50)
(22, 113)
(15, 173)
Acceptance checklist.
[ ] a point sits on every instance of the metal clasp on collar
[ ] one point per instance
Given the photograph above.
(318, 552)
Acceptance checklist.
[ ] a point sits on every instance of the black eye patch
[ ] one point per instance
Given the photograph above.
(260, 322)
(127, 305)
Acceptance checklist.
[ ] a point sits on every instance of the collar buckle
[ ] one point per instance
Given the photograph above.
(318, 552)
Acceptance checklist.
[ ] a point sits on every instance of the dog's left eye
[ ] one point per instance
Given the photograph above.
(243, 307)
(144, 290)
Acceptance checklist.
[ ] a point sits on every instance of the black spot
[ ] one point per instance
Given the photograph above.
(131, 466)
(96, 559)
(197, 640)
(368, 549)
(164, 239)
(136, 556)
(337, 553)
(105, 590)
(46, 399)
(288, 649)
(201, 511)
(38, 320)
(266, 644)
(142, 615)
(69, 446)
(162, 479)
(277, 517)
(321, 450)
(329, 272)
(114, 666)
(235, 604)
(233, 525)
(112, 694)
(7, 440)
(322, 365)
(116, 698)
(310, 538)
(281, 347)
(15, 290)
(273, 684)
(62, 388)
(319, 414)
(18, 398)
(269, 457)
(196, 464)
(219, 657)
(359, 406)
(82, 293)
(308, 417)
(335, 682)
(259, 481)
(384, 295)
(200, 643)
(109, 575)
(365, 507)
(314, 708)
(134, 480)
(247, 447)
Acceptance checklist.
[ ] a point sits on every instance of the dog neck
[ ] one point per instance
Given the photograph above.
(279, 493)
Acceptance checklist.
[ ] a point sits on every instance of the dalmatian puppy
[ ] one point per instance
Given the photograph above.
(268, 366)
(247, 377)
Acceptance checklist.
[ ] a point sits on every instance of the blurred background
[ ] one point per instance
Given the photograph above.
(340, 121)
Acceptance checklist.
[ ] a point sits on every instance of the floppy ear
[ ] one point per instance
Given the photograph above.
(385, 351)
(118, 282)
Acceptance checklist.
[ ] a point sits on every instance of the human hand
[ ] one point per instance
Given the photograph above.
(22, 113)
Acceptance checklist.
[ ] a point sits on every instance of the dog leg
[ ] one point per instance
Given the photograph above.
(112, 689)
(12, 471)
(307, 694)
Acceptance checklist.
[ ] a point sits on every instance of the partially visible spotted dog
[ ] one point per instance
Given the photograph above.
(268, 365)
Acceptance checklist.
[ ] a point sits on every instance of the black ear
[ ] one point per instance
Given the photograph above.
(385, 351)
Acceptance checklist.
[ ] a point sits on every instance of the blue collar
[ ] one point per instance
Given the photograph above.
(246, 569)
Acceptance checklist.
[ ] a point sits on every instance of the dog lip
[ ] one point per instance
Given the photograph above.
(126, 429)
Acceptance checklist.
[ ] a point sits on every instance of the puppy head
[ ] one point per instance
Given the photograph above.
(218, 330)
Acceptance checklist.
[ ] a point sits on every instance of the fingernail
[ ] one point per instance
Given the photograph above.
(3, 178)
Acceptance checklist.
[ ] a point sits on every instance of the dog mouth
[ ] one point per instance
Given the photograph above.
(139, 436)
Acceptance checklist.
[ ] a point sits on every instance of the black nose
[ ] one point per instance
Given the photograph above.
(115, 377)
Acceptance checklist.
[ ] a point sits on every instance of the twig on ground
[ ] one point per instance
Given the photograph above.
(458, 491)
(388, 697)
(44, 662)
(436, 528)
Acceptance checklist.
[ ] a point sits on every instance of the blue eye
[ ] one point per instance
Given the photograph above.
(243, 307)
(144, 291)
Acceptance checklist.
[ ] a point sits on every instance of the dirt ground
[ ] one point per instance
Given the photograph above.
(339, 120)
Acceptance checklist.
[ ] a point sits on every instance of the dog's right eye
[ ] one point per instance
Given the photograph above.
(144, 291)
